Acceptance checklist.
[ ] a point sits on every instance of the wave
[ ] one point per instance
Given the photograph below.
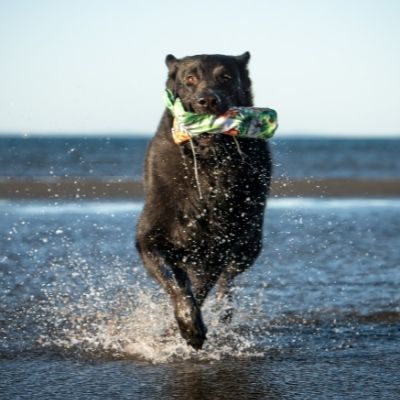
(110, 207)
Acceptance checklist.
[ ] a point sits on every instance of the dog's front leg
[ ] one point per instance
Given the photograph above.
(177, 284)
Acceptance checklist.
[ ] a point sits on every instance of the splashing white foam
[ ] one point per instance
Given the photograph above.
(142, 326)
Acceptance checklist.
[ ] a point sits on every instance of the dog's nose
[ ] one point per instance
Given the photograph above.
(208, 102)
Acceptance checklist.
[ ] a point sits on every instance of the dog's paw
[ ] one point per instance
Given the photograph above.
(192, 328)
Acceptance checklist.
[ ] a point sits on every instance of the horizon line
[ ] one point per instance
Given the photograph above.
(298, 134)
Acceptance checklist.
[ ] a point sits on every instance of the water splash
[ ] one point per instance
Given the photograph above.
(137, 326)
(80, 315)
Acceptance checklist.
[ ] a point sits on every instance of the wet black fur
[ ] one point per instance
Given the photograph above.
(189, 243)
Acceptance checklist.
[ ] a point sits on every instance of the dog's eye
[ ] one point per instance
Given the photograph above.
(190, 80)
(226, 77)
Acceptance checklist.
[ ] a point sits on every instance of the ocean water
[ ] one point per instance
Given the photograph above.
(102, 157)
(317, 316)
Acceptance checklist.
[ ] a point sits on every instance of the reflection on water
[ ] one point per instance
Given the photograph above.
(318, 315)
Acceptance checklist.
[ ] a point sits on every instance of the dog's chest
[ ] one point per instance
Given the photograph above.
(215, 203)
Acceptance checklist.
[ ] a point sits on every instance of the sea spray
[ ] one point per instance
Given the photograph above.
(140, 326)
(100, 313)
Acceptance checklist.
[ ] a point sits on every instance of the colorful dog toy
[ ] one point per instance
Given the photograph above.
(247, 122)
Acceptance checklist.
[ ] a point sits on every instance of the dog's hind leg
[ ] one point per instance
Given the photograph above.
(178, 286)
(225, 296)
(240, 262)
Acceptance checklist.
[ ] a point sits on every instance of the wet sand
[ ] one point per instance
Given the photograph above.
(76, 188)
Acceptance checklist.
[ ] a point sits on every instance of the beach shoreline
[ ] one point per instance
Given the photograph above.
(120, 188)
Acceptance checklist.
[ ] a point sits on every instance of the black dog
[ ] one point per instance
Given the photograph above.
(203, 217)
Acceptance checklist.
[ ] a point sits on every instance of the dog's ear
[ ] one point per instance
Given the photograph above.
(246, 96)
(172, 63)
(244, 58)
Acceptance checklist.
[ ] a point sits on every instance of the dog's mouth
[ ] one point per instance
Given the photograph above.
(220, 110)
(204, 139)
(191, 105)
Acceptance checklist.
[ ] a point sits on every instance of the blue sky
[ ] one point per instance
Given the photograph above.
(327, 67)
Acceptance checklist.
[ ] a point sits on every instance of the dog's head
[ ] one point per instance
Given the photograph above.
(210, 84)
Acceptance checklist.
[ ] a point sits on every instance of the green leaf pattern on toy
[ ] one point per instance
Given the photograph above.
(250, 122)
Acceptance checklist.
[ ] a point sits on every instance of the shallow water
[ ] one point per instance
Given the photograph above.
(318, 315)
